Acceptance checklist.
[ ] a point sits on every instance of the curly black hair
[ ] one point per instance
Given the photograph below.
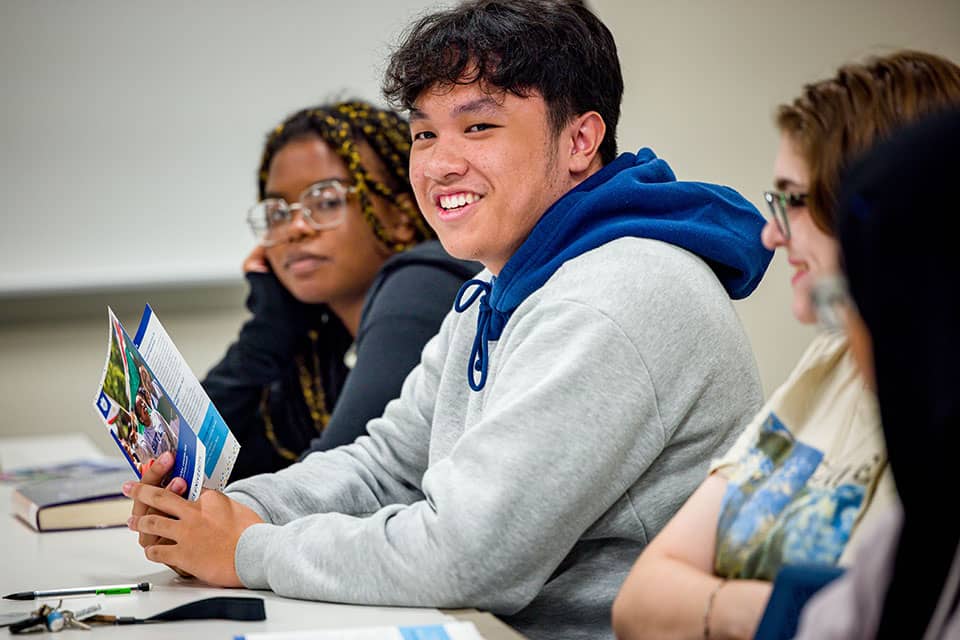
(557, 48)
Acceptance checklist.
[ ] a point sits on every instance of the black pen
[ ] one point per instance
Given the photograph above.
(109, 590)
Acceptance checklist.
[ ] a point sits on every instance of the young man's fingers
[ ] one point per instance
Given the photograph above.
(155, 472)
(168, 554)
(146, 539)
(160, 499)
(180, 572)
(155, 525)
(178, 485)
(152, 475)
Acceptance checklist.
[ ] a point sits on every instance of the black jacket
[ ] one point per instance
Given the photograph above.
(408, 300)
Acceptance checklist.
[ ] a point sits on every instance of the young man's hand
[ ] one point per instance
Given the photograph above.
(152, 474)
(197, 537)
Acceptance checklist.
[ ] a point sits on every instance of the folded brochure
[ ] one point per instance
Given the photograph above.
(151, 403)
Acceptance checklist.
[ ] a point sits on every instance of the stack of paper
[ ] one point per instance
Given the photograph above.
(449, 631)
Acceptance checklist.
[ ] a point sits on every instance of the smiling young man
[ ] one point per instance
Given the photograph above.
(572, 399)
(486, 165)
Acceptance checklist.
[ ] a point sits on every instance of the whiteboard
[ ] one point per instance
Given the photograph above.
(131, 131)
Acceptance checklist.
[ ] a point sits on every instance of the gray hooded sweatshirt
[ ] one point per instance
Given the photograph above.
(608, 391)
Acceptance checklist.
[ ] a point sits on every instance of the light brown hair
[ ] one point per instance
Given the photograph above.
(835, 120)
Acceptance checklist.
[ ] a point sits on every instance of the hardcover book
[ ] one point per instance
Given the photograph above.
(57, 504)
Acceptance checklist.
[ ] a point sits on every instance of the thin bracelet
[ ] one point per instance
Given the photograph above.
(709, 609)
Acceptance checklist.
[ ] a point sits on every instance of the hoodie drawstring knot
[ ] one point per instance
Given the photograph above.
(487, 328)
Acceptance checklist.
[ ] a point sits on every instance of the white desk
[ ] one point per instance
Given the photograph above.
(31, 561)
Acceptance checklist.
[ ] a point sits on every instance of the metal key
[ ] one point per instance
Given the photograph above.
(71, 622)
(75, 620)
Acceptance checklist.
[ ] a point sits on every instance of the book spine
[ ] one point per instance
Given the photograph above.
(25, 509)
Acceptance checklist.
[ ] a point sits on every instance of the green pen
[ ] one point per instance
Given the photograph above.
(107, 590)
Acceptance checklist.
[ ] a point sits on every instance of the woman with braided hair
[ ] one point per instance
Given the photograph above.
(346, 286)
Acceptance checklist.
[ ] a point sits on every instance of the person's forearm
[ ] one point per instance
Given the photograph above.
(492, 526)
(666, 598)
(358, 478)
(346, 480)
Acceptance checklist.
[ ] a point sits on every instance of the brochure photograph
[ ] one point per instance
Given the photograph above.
(153, 343)
(140, 416)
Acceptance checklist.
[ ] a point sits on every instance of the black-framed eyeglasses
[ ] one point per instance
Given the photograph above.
(780, 203)
(322, 205)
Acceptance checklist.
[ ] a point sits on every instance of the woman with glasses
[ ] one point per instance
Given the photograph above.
(346, 287)
(810, 471)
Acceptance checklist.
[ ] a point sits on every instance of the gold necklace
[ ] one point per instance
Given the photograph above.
(311, 386)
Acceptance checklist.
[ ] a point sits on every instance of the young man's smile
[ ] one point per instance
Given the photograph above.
(453, 206)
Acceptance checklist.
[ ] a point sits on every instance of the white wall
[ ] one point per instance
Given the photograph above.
(702, 81)
(135, 127)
